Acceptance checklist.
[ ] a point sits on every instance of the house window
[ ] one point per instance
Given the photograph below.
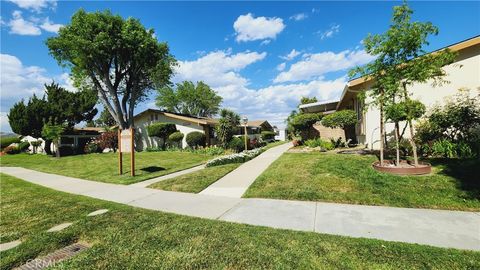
(151, 117)
(156, 117)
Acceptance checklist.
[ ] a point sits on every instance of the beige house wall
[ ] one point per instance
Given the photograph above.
(143, 141)
(464, 73)
(327, 133)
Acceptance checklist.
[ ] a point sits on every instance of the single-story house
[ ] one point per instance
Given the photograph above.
(325, 107)
(184, 124)
(464, 73)
(72, 141)
(254, 128)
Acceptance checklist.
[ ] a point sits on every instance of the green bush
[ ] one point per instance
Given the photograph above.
(304, 121)
(237, 144)
(447, 149)
(92, 147)
(196, 139)
(267, 135)
(161, 130)
(340, 119)
(6, 141)
(23, 146)
(405, 110)
(326, 145)
(176, 138)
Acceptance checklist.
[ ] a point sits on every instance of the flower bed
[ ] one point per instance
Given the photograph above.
(235, 158)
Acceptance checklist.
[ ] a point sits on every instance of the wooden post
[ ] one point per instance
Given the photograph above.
(120, 163)
(132, 153)
(246, 137)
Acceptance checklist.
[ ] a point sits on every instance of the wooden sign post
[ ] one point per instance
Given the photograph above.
(126, 145)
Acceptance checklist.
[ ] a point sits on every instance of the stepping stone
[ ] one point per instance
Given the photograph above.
(98, 212)
(9, 245)
(59, 227)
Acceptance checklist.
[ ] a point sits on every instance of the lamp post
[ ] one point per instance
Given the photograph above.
(245, 122)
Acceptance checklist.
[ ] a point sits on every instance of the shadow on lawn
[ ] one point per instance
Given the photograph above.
(465, 171)
(152, 169)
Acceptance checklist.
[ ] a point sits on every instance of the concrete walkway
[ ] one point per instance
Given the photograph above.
(440, 228)
(237, 182)
(147, 183)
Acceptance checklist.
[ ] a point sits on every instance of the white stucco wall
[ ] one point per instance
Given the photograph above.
(143, 141)
(464, 73)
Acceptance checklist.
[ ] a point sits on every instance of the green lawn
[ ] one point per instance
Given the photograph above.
(273, 144)
(196, 181)
(104, 167)
(341, 178)
(134, 238)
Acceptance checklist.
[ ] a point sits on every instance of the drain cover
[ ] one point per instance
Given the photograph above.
(54, 258)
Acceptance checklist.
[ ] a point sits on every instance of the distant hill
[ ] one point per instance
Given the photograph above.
(7, 134)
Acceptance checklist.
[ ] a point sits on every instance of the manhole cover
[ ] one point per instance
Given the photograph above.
(54, 258)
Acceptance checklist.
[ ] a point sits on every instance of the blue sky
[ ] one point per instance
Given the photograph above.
(261, 57)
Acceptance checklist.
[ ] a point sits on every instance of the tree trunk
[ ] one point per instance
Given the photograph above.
(382, 133)
(47, 149)
(397, 142)
(57, 149)
(412, 143)
(412, 132)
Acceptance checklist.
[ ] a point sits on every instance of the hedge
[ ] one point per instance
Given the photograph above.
(6, 141)
(196, 139)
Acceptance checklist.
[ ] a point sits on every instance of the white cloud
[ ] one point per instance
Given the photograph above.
(4, 126)
(281, 66)
(218, 68)
(248, 28)
(19, 81)
(266, 42)
(315, 65)
(22, 27)
(221, 70)
(292, 54)
(49, 26)
(35, 5)
(329, 32)
(299, 17)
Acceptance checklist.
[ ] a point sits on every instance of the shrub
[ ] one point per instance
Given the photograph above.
(6, 141)
(196, 139)
(237, 144)
(340, 119)
(325, 145)
(452, 130)
(12, 149)
(234, 158)
(108, 139)
(304, 121)
(35, 145)
(92, 147)
(267, 135)
(23, 146)
(157, 149)
(176, 138)
(161, 130)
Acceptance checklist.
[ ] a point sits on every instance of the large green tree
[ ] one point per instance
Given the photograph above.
(58, 106)
(118, 58)
(401, 61)
(105, 119)
(188, 98)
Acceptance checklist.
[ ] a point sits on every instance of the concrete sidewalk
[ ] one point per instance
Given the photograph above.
(237, 182)
(453, 229)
